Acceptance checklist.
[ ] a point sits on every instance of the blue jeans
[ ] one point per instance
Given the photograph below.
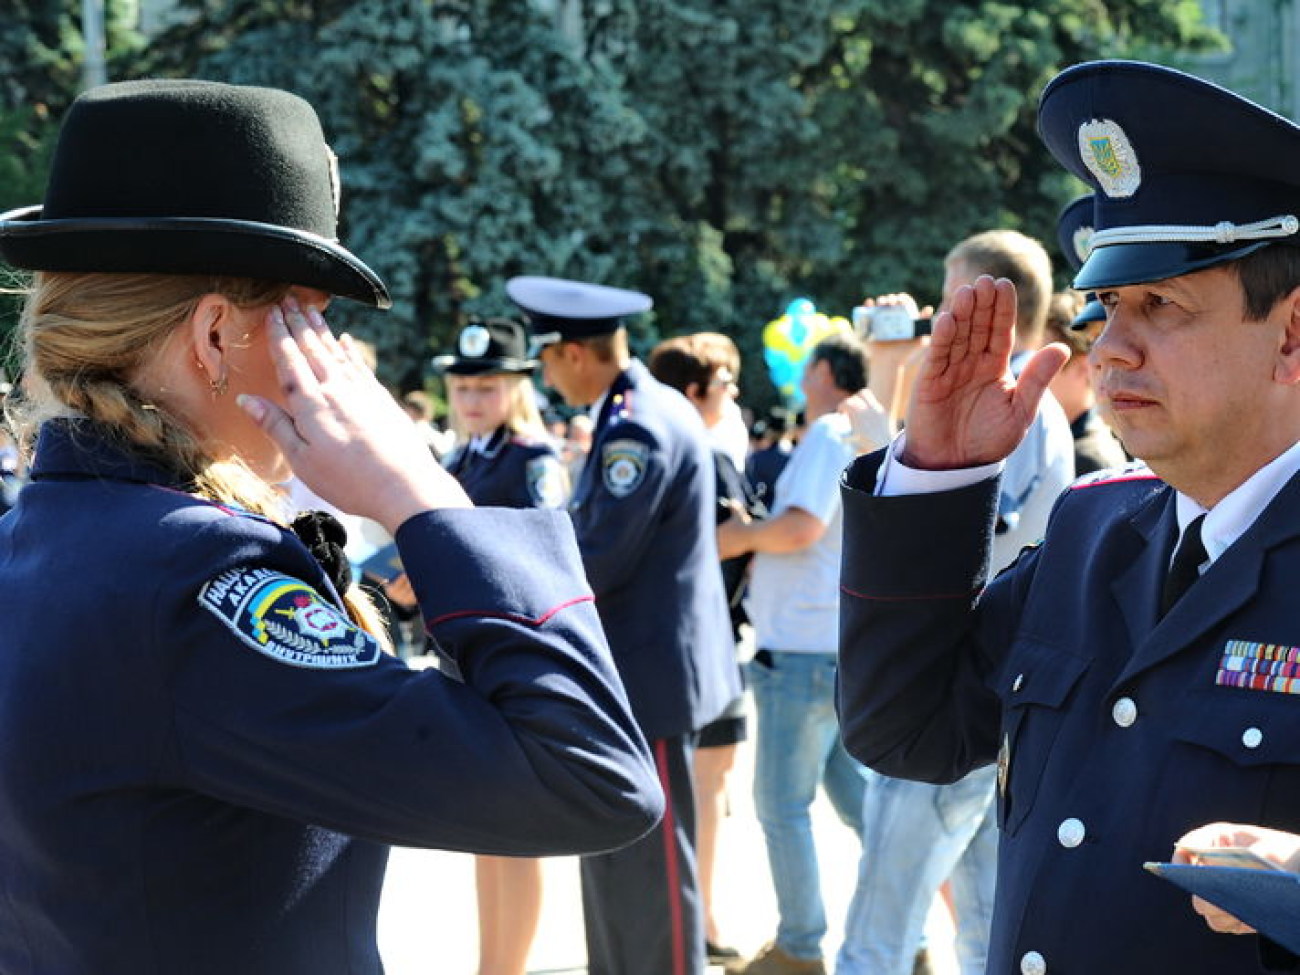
(913, 835)
(797, 747)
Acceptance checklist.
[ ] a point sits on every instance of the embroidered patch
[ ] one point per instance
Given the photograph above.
(1259, 667)
(287, 620)
(623, 464)
(546, 483)
(1109, 156)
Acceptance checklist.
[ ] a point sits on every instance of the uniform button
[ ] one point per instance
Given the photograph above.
(1071, 833)
(1124, 712)
(1252, 737)
(1032, 963)
(1018, 683)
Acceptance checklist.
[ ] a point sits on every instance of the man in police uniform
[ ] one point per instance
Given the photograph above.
(1121, 713)
(643, 510)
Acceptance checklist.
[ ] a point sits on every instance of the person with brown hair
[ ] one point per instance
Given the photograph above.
(704, 367)
(204, 750)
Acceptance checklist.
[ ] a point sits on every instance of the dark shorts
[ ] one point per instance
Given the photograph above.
(729, 728)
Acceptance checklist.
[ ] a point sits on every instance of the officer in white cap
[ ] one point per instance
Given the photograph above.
(1135, 675)
(643, 509)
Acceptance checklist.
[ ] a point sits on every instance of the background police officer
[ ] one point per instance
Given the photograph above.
(643, 510)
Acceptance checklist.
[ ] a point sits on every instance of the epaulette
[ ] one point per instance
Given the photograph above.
(1134, 470)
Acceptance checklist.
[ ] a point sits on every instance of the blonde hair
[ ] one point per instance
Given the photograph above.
(86, 336)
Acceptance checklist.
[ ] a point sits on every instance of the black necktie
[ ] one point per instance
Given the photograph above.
(1186, 567)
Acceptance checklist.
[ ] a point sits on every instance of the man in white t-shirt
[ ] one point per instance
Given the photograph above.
(793, 604)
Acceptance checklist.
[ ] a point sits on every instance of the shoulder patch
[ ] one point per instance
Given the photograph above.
(546, 481)
(1133, 471)
(623, 466)
(287, 620)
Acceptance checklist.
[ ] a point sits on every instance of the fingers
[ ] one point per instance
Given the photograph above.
(1037, 373)
(1218, 919)
(275, 422)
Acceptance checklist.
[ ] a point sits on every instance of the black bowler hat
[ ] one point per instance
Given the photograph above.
(496, 345)
(1074, 230)
(561, 310)
(191, 177)
(1187, 174)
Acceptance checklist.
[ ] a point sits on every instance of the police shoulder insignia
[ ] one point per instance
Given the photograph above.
(1108, 154)
(546, 481)
(623, 466)
(287, 620)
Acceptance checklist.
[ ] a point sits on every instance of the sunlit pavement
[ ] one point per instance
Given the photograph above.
(428, 924)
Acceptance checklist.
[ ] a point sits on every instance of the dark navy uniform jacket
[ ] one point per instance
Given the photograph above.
(202, 762)
(644, 513)
(1114, 736)
(511, 472)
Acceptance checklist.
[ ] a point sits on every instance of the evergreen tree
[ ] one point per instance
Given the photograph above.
(722, 155)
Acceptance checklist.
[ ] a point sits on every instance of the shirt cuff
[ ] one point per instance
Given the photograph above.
(896, 478)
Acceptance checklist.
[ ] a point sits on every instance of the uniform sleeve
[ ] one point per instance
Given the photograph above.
(916, 627)
(617, 518)
(533, 751)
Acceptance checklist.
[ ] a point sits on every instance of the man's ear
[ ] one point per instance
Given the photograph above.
(1287, 369)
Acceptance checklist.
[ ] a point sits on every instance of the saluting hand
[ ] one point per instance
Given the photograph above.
(966, 408)
(340, 430)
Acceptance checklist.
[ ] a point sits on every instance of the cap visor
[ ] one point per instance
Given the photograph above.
(1116, 265)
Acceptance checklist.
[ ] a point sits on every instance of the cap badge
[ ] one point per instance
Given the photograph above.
(1109, 156)
(474, 342)
(1082, 242)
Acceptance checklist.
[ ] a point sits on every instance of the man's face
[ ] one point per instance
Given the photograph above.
(559, 372)
(1189, 385)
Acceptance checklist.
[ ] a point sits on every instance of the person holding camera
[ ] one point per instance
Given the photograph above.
(922, 832)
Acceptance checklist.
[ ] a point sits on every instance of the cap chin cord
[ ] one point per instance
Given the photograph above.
(1224, 232)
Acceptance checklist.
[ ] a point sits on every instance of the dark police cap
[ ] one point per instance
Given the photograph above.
(191, 177)
(1187, 174)
(495, 345)
(1074, 229)
(561, 310)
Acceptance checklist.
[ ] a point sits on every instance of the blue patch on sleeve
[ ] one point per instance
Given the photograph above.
(287, 620)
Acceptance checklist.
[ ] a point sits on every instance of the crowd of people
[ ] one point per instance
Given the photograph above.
(313, 623)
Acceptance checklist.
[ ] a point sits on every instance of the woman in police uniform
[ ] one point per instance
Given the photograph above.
(504, 459)
(203, 751)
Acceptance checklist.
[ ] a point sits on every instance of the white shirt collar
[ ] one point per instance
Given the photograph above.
(1231, 517)
(593, 410)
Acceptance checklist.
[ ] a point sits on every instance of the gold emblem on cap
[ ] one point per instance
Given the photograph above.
(1108, 154)
(474, 342)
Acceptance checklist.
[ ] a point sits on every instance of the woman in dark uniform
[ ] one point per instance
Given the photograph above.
(505, 458)
(204, 752)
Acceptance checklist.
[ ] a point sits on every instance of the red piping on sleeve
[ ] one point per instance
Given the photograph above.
(513, 617)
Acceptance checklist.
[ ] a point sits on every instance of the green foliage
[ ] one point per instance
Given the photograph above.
(723, 155)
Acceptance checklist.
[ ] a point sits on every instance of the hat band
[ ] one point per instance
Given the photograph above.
(1224, 232)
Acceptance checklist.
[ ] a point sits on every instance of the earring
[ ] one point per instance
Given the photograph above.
(218, 386)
